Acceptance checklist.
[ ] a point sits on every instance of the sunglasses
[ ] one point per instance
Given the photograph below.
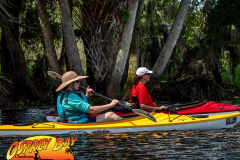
(147, 74)
(77, 81)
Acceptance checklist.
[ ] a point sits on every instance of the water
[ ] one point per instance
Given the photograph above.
(21, 116)
(217, 144)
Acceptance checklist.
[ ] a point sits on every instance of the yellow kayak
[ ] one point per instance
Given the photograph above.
(165, 122)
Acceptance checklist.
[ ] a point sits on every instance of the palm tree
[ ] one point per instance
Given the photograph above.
(5, 85)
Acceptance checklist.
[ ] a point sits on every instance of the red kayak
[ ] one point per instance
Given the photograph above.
(202, 107)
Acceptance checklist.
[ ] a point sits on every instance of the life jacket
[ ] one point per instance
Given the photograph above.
(62, 111)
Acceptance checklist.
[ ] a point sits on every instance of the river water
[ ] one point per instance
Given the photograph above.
(213, 144)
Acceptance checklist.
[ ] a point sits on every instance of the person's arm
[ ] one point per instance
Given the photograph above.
(150, 108)
(98, 109)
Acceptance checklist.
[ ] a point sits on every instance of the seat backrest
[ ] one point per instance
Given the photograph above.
(135, 101)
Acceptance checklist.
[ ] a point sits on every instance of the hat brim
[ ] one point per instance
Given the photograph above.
(150, 71)
(64, 84)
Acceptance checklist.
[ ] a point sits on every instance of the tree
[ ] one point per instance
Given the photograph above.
(134, 52)
(14, 61)
(47, 36)
(70, 40)
(22, 78)
(170, 43)
(121, 61)
(100, 27)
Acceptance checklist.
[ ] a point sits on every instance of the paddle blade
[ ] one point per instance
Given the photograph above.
(54, 75)
(144, 114)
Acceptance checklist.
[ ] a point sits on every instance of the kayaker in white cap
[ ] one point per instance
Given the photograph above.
(75, 106)
(140, 91)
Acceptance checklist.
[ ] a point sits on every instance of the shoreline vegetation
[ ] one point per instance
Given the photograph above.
(193, 48)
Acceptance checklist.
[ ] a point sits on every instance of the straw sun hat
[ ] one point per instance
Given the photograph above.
(68, 78)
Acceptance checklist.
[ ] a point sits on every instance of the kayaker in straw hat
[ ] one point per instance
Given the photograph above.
(140, 91)
(75, 106)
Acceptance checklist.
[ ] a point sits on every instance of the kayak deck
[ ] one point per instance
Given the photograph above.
(202, 107)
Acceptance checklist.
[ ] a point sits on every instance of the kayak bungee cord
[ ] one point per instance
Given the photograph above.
(140, 112)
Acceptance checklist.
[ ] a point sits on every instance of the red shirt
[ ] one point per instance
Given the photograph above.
(143, 97)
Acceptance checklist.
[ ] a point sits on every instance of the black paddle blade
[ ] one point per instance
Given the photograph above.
(144, 114)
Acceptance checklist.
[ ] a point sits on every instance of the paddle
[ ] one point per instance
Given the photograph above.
(176, 107)
(140, 112)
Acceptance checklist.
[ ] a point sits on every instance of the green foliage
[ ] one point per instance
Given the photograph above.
(193, 23)
(156, 11)
(223, 15)
(31, 65)
(30, 30)
(24, 104)
(20, 104)
(125, 15)
(227, 77)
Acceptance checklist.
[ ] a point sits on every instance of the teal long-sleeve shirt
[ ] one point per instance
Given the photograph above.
(76, 103)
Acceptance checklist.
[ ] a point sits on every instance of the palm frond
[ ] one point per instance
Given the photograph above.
(5, 85)
(96, 19)
(4, 14)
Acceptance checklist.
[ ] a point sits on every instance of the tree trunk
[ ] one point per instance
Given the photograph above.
(192, 64)
(181, 45)
(6, 66)
(134, 52)
(23, 82)
(63, 59)
(217, 74)
(47, 36)
(70, 40)
(118, 71)
(170, 43)
(237, 45)
(206, 8)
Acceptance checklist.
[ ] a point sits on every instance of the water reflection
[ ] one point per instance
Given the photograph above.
(150, 145)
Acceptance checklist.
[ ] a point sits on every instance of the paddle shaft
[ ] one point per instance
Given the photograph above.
(186, 104)
(109, 99)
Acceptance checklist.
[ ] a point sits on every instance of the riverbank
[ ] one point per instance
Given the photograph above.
(20, 102)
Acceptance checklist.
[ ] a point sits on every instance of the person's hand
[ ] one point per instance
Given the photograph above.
(114, 102)
(89, 91)
(162, 108)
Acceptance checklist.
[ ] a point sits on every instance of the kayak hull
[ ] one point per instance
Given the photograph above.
(138, 124)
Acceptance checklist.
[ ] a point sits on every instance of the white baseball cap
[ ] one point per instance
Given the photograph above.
(142, 70)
